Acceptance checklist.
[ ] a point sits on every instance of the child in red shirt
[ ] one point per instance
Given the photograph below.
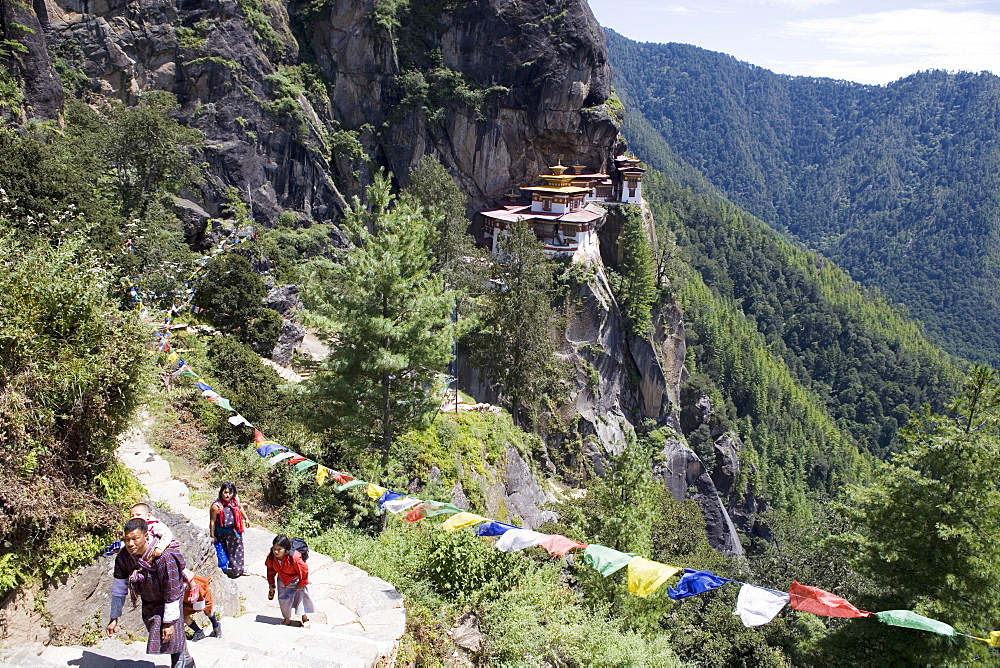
(292, 580)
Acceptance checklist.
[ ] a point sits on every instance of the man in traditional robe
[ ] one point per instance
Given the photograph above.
(160, 584)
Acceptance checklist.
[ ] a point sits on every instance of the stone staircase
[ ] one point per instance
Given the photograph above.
(358, 622)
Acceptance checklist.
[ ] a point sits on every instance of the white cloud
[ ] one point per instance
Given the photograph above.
(908, 40)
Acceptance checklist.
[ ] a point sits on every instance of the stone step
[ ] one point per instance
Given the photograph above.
(170, 492)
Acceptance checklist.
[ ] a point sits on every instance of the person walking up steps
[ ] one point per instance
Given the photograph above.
(226, 525)
(160, 584)
(292, 580)
(199, 597)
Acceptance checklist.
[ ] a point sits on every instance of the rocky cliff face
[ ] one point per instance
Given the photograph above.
(288, 134)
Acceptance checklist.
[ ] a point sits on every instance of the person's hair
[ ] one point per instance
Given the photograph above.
(227, 485)
(282, 541)
(143, 506)
(136, 523)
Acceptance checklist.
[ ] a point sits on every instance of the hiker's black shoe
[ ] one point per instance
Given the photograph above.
(217, 632)
(198, 635)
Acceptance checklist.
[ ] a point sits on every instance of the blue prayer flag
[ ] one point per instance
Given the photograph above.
(693, 583)
(267, 448)
(389, 495)
(494, 528)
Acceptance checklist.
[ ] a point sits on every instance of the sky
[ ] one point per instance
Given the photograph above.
(868, 41)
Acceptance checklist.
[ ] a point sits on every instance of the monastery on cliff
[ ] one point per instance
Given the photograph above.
(563, 213)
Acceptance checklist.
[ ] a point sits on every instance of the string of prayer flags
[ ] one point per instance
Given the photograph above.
(605, 560)
(350, 484)
(646, 576)
(321, 473)
(819, 602)
(494, 528)
(558, 545)
(518, 539)
(281, 456)
(693, 583)
(911, 620)
(756, 605)
(374, 491)
(462, 520)
(303, 466)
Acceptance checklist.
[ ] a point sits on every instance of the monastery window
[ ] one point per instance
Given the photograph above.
(546, 205)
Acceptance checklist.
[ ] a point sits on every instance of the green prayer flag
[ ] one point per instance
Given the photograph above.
(351, 483)
(432, 508)
(912, 620)
(222, 401)
(606, 560)
(305, 466)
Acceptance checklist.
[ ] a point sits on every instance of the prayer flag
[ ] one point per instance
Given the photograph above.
(238, 420)
(204, 387)
(389, 495)
(304, 466)
(462, 520)
(172, 357)
(350, 484)
(432, 508)
(258, 436)
(296, 458)
(693, 583)
(222, 401)
(494, 528)
(518, 539)
(757, 605)
(646, 576)
(911, 620)
(819, 602)
(280, 457)
(321, 473)
(341, 478)
(374, 491)
(606, 560)
(994, 640)
(416, 514)
(558, 545)
(397, 506)
(268, 447)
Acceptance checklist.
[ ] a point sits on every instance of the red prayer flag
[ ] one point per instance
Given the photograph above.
(415, 515)
(295, 460)
(341, 478)
(258, 437)
(558, 545)
(819, 602)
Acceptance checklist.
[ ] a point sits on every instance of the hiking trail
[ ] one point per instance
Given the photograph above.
(358, 622)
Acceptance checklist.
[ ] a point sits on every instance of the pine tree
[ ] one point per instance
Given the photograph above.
(637, 287)
(516, 348)
(392, 328)
(928, 529)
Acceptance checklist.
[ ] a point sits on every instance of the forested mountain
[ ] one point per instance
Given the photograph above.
(897, 184)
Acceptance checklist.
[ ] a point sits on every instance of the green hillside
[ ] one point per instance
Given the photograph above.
(895, 183)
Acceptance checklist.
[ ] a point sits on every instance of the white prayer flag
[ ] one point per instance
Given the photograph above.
(280, 457)
(399, 505)
(238, 420)
(518, 539)
(756, 605)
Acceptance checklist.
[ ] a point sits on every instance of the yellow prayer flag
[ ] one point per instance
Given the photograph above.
(374, 491)
(462, 520)
(645, 576)
(321, 473)
(173, 357)
(994, 640)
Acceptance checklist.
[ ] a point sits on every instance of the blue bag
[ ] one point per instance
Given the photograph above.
(220, 553)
